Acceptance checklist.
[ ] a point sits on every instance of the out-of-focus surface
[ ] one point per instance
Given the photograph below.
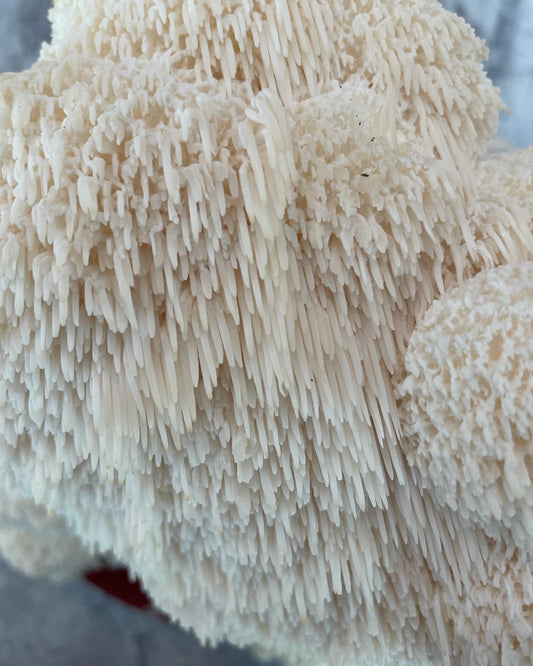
(23, 27)
(76, 624)
(44, 624)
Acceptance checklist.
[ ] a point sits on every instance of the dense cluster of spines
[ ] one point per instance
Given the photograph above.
(219, 222)
(469, 382)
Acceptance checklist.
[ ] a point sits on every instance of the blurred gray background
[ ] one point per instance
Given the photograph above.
(75, 624)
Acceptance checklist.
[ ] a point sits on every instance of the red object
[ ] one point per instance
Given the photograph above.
(117, 583)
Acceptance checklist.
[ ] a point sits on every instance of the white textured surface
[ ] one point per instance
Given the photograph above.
(242, 478)
(470, 381)
(41, 613)
(507, 25)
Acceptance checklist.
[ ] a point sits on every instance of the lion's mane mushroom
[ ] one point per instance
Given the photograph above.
(470, 383)
(219, 222)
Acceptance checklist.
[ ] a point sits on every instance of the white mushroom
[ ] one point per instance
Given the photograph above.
(467, 400)
(219, 222)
